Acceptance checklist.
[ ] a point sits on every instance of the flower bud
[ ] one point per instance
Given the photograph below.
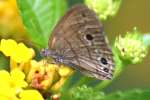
(104, 8)
(131, 47)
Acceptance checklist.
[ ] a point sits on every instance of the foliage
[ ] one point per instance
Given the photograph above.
(39, 18)
(88, 93)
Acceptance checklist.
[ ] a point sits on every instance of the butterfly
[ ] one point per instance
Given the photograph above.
(78, 41)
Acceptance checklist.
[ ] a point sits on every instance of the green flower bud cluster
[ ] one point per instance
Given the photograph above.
(131, 47)
(86, 93)
(104, 8)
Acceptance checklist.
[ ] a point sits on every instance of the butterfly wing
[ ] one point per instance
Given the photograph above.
(79, 37)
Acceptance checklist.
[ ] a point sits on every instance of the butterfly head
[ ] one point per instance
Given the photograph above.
(45, 53)
(51, 53)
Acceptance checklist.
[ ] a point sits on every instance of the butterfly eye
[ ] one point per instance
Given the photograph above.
(104, 61)
(43, 51)
(89, 37)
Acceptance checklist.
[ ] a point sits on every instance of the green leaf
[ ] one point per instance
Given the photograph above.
(40, 16)
(76, 80)
(72, 81)
(4, 62)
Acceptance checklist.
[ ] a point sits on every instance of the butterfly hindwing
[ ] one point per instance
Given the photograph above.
(80, 38)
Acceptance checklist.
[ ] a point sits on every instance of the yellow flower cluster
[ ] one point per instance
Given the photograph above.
(11, 86)
(18, 52)
(50, 76)
(38, 74)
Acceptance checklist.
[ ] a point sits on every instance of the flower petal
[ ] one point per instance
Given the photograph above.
(8, 47)
(30, 95)
(17, 77)
(23, 53)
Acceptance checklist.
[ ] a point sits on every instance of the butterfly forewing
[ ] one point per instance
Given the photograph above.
(79, 37)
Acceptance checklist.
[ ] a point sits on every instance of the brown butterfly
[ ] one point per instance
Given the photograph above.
(78, 41)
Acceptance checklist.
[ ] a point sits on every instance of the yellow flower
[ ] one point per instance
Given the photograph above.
(8, 47)
(65, 72)
(22, 53)
(30, 95)
(44, 76)
(18, 77)
(11, 84)
(35, 68)
(51, 75)
(41, 76)
(17, 52)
